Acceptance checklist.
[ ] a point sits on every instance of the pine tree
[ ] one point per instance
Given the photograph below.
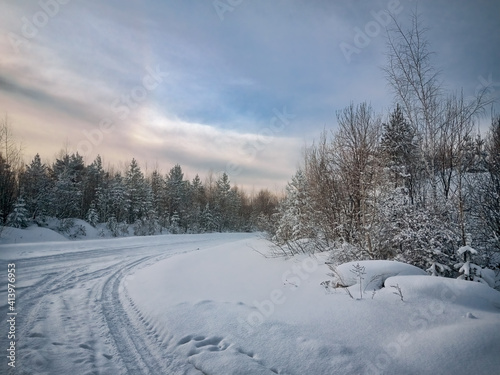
(138, 193)
(92, 181)
(18, 218)
(196, 201)
(67, 193)
(36, 186)
(400, 149)
(118, 198)
(159, 199)
(226, 204)
(207, 220)
(174, 223)
(177, 194)
(470, 270)
(7, 188)
(295, 222)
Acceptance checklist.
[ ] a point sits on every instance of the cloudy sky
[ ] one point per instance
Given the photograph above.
(231, 85)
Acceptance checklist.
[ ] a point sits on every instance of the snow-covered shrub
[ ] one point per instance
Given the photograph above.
(416, 235)
(112, 225)
(65, 225)
(123, 229)
(140, 228)
(116, 228)
(346, 252)
(77, 231)
(147, 225)
(92, 215)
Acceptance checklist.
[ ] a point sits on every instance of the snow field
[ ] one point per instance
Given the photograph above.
(74, 315)
(210, 304)
(229, 310)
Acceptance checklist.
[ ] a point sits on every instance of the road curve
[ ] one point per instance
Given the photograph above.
(74, 316)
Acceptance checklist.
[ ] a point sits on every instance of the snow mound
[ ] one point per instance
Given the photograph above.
(376, 273)
(52, 229)
(31, 234)
(459, 292)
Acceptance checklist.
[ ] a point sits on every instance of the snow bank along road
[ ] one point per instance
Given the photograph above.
(73, 315)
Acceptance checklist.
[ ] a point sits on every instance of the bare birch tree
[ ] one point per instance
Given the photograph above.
(415, 83)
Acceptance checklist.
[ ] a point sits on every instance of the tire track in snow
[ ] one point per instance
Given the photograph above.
(74, 316)
(132, 342)
(136, 340)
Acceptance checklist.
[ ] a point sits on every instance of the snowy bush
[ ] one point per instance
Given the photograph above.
(65, 225)
(346, 252)
(416, 235)
(92, 216)
(112, 226)
(78, 231)
(147, 226)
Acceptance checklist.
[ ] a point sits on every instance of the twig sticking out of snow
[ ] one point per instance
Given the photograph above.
(359, 271)
(290, 283)
(399, 292)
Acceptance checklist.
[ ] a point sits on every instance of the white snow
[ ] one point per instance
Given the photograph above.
(235, 312)
(212, 304)
(33, 233)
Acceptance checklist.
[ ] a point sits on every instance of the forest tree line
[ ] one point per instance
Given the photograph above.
(68, 188)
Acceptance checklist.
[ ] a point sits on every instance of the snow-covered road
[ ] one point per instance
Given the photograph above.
(73, 313)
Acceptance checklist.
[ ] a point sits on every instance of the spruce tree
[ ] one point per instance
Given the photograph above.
(18, 218)
(138, 193)
(399, 148)
(36, 186)
(7, 188)
(177, 194)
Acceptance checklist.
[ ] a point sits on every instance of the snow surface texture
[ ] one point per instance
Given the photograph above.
(210, 304)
